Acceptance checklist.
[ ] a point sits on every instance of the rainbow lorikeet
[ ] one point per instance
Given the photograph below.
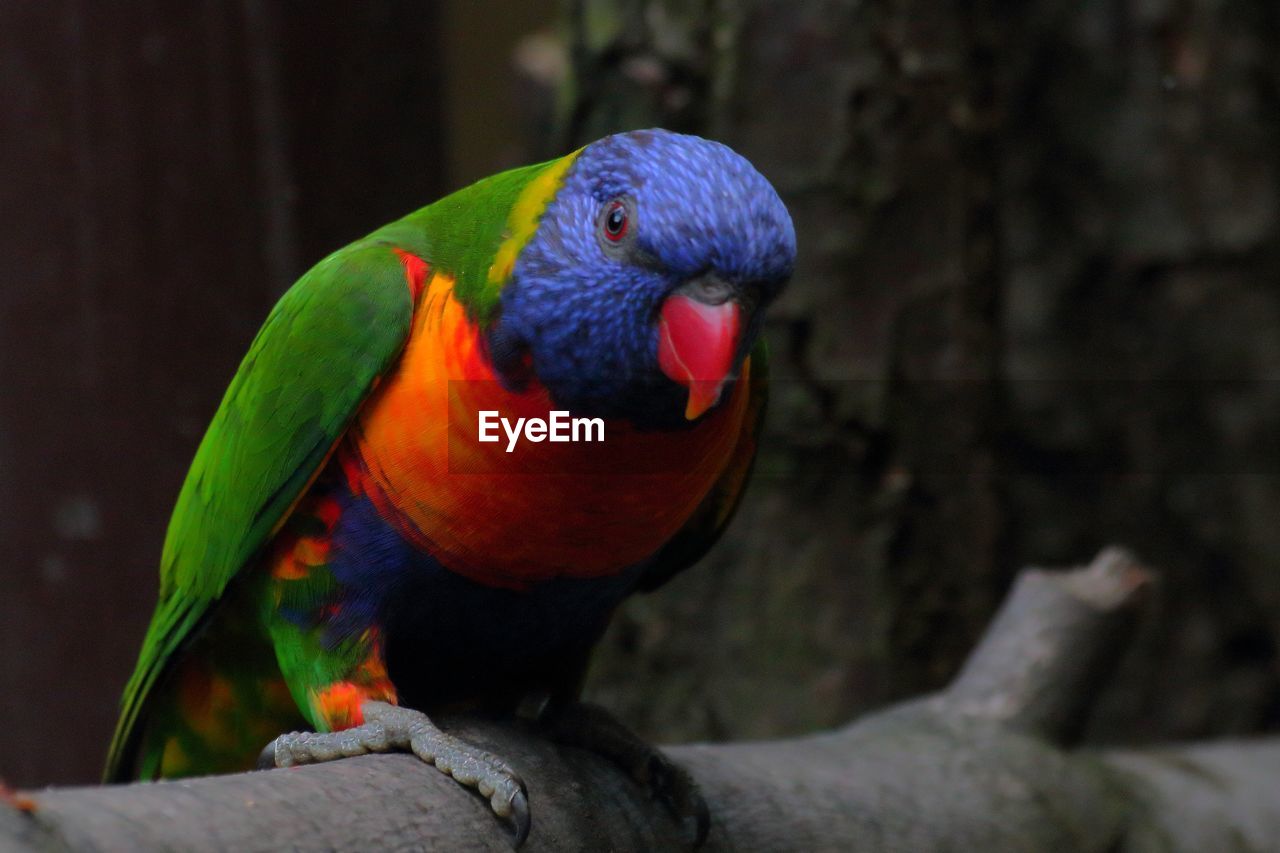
(345, 548)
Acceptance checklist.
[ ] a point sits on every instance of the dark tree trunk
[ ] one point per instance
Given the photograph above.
(1036, 310)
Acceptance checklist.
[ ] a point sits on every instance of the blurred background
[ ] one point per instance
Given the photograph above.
(1037, 310)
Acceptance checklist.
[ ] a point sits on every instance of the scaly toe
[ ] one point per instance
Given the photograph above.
(392, 727)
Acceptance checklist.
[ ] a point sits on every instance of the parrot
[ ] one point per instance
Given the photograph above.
(346, 560)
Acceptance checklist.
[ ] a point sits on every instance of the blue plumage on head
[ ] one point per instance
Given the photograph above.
(582, 304)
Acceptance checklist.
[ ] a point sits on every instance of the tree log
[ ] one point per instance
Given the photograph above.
(978, 766)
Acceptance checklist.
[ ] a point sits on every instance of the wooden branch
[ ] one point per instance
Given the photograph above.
(976, 767)
(1051, 646)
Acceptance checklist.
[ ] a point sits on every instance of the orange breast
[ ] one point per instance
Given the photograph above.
(545, 510)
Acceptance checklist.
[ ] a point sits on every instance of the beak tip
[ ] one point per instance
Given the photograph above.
(702, 396)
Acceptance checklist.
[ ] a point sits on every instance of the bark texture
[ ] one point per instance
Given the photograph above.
(978, 766)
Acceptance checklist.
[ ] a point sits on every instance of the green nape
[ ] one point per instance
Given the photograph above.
(475, 234)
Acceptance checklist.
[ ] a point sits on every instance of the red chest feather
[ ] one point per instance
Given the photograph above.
(543, 510)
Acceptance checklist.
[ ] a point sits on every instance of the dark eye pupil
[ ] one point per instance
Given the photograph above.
(616, 221)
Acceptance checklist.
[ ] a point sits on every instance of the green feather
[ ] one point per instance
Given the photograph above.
(320, 352)
(462, 234)
(317, 356)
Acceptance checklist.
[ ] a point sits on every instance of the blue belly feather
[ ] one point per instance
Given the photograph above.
(448, 637)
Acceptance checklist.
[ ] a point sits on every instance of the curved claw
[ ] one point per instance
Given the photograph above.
(520, 819)
(267, 758)
(701, 821)
(671, 784)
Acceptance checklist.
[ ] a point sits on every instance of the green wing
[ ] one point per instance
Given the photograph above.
(316, 358)
(713, 515)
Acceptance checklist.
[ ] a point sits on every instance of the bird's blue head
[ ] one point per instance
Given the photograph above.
(643, 287)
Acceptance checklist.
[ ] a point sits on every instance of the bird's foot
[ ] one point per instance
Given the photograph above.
(389, 728)
(592, 728)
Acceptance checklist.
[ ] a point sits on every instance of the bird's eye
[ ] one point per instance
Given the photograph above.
(615, 221)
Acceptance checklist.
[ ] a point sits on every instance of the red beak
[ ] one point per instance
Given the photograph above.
(696, 345)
